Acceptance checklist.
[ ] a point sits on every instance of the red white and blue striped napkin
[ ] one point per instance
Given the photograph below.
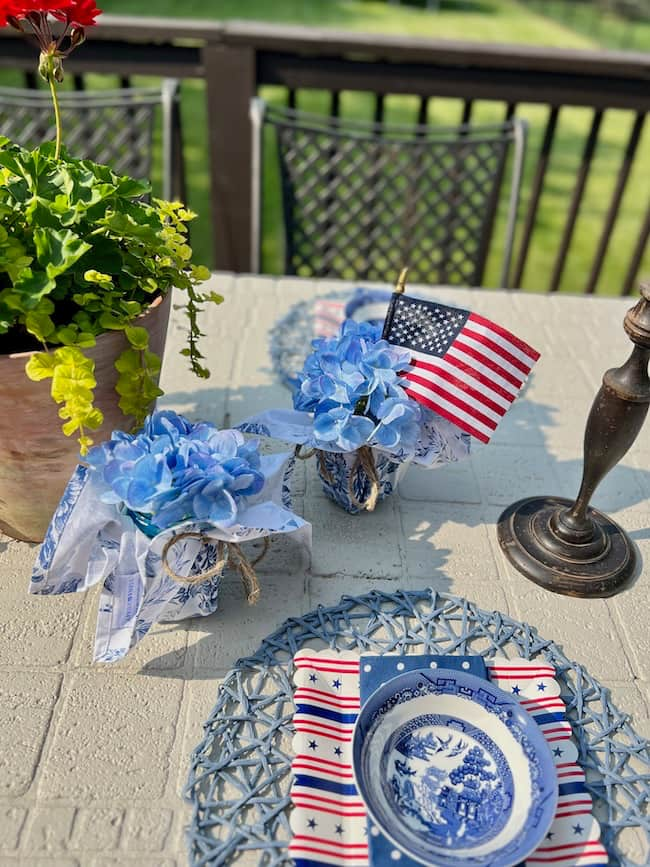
(329, 820)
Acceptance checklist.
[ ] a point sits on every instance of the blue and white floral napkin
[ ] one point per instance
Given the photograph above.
(329, 820)
(91, 542)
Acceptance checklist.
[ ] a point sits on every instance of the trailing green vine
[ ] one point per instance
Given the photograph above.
(83, 252)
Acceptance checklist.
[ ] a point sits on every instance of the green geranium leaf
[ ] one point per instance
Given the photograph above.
(130, 188)
(57, 251)
(32, 286)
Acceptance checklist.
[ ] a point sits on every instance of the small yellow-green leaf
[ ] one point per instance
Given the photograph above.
(40, 366)
(39, 324)
(137, 337)
(92, 276)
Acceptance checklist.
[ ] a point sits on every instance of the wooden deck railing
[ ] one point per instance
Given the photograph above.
(235, 59)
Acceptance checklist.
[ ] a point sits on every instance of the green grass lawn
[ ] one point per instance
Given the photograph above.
(485, 20)
(601, 25)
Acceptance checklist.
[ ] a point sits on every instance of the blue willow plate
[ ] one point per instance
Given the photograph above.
(453, 770)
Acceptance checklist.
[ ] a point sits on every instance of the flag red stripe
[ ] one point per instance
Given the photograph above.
(315, 759)
(320, 770)
(463, 425)
(459, 344)
(497, 348)
(585, 844)
(452, 399)
(351, 663)
(328, 669)
(306, 719)
(303, 848)
(298, 793)
(327, 694)
(521, 345)
(341, 704)
(450, 358)
(472, 392)
(525, 669)
(318, 809)
(337, 843)
(330, 854)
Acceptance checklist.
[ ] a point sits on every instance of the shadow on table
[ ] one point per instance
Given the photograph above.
(458, 499)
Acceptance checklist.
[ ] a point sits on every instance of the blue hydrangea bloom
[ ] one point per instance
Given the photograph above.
(175, 470)
(352, 384)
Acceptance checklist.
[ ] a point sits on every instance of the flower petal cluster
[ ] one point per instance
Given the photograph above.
(175, 470)
(77, 13)
(32, 16)
(352, 385)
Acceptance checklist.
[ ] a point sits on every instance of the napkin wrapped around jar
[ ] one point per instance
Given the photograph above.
(348, 477)
(171, 576)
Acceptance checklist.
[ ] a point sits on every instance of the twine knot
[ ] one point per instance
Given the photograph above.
(364, 462)
(228, 554)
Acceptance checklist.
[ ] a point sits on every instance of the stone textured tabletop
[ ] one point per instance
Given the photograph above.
(93, 757)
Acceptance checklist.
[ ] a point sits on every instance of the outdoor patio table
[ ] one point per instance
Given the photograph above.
(93, 758)
(439, 532)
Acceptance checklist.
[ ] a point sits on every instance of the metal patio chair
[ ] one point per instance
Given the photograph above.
(362, 200)
(112, 127)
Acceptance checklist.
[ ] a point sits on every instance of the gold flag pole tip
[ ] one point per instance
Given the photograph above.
(401, 283)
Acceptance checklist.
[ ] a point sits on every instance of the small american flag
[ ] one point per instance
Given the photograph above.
(465, 368)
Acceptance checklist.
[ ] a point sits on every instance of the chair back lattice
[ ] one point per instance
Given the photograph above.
(113, 127)
(360, 201)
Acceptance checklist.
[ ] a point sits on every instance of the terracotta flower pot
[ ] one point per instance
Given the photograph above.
(36, 459)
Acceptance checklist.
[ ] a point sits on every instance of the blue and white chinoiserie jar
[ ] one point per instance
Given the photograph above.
(358, 480)
(453, 770)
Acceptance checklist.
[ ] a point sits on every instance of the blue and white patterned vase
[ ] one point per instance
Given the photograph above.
(347, 483)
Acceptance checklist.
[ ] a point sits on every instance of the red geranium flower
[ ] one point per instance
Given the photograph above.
(78, 13)
(22, 8)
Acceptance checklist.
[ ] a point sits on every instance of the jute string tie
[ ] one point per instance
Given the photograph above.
(364, 462)
(228, 554)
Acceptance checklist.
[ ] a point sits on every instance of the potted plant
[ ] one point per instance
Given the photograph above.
(87, 266)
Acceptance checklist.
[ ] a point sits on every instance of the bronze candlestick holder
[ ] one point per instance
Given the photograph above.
(569, 547)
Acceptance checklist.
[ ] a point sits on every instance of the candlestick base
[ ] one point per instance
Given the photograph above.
(600, 565)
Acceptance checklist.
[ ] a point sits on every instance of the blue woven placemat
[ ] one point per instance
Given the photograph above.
(241, 772)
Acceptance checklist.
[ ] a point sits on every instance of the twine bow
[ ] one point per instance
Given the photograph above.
(364, 462)
(228, 554)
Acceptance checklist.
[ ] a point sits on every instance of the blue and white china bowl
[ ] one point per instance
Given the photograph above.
(453, 770)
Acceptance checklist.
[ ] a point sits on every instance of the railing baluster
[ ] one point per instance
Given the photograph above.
(538, 185)
(31, 82)
(79, 82)
(335, 103)
(379, 108)
(467, 111)
(576, 200)
(492, 207)
(423, 111)
(615, 204)
(291, 98)
(639, 250)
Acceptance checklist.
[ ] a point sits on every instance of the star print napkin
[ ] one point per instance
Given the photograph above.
(329, 820)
